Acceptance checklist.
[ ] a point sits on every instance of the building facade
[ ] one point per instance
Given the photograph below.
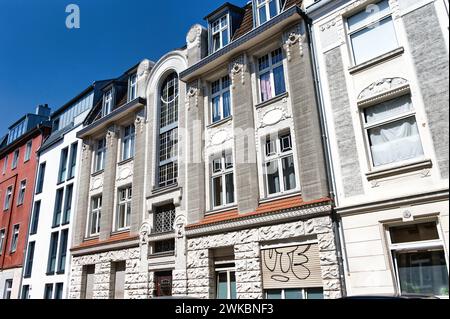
(47, 263)
(383, 73)
(259, 215)
(18, 160)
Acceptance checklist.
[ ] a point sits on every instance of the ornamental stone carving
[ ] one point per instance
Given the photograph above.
(139, 124)
(144, 69)
(192, 93)
(193, 37)
(273, 115)
(144, 232)
(382, 86)
(237, 67)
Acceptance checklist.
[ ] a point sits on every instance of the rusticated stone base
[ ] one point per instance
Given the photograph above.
(136, 283)
(247, 243)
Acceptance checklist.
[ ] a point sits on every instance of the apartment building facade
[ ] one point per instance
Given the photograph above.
(258, 213)
(383, 71)
(18, 160)
(47, 263)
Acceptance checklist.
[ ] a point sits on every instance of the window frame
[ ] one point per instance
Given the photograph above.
(8, 198)
(52, 259)
(22, 192)
(5, 164)
(392, 119)
(108, 98)
(63, 169)
(220, 31)
(28, 269)
(304, 292)
(62, 252)
(58, 207)
(2, 239)
(35, 218)
(167, 219)
(222, 173)
(28, 150)
(220, 94)
(371, 22)
(228, 270)
(72, 164)
(100, 155)
(15, 160)
(270, 69)
(14, 238)
(132, 87)
(279, 155)
(95, 211)
(128, 142)
(67, 210)
(127, 204)
(8, 289)
(41, 178)
(266, 4)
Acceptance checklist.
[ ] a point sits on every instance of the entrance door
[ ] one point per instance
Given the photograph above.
(163, 281)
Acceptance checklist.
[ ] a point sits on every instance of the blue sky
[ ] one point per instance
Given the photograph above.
(43, 62)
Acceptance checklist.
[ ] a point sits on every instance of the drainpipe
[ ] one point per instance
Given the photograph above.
(326, 148)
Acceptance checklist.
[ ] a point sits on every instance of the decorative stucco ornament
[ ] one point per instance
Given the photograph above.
(292, 40)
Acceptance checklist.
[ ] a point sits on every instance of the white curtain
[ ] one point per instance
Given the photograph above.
(395, 142)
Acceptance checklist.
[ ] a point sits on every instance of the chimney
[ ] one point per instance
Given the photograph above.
(43, 110)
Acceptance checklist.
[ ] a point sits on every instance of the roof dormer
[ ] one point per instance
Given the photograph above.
(265, 10)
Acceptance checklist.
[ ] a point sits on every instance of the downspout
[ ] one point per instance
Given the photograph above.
(326, 150)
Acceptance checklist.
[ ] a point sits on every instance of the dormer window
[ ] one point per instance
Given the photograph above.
(267, 9)
(107, 103)
(220, 35)
(132, 87)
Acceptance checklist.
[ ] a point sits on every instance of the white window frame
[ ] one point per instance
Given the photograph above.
(15, 238)
(22, 190)
(228, 270)
(132, 87)
(266, 3)
(100, 155)
(392, 119)
(5, 165)
(370, 22)
(29, 148)
(126, 203)
(15, 160)
(7, 199)
(2, 239)
(278, 155)
(220, 95)
(222, 173)
(217, 28)
(424, 245)
(270, 70)
(128, 142)
(107, 102)
(8, 288)
(283, 292)
(95, 211)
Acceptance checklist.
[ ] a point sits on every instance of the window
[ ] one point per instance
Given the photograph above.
(63, 251)
(48, 291)
(271, 75)
(107, 103)
(73, 160)
(63, 165)
(29, 261)
(94, 219)
(59, 289)
(41, 178)
(55, 126)
(67, 205)
(220, 33)
(279, 165)
(88, 282)
(392, 132)
(419, 259)
(2, 240)
(25, 292)
(5, 165)
(21, 197)
(119, 279)
(100, 155)
(8, 196)
(58, 207)
(163, 284)
(309, 293)
(226, 281)
(52, 254)
(8, 289)
(124, 208)
(132, 87)
(267, 9)
(15, 238)
(221, 99)
(164, 219)
(165, 246)
(35, 218)
(168, 130)
(222, 180)
(372, 32)
(28, 151)
(128, 142)
(15, 159)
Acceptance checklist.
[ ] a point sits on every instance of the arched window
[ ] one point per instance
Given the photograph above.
(168, 131)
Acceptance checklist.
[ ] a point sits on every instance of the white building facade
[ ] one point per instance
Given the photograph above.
(383, 73)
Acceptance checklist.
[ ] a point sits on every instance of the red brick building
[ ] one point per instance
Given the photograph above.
(18, 171)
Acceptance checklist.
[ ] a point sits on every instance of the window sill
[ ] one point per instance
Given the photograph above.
(97, 173)
(70, 179)
(165, 189)
(221, 122)
(123, 162)
(120, 231)
(382, 58)
(280, 196)
(163, 254)
(92, 237)
(221, 209)
(399, 169)
(272, 100)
